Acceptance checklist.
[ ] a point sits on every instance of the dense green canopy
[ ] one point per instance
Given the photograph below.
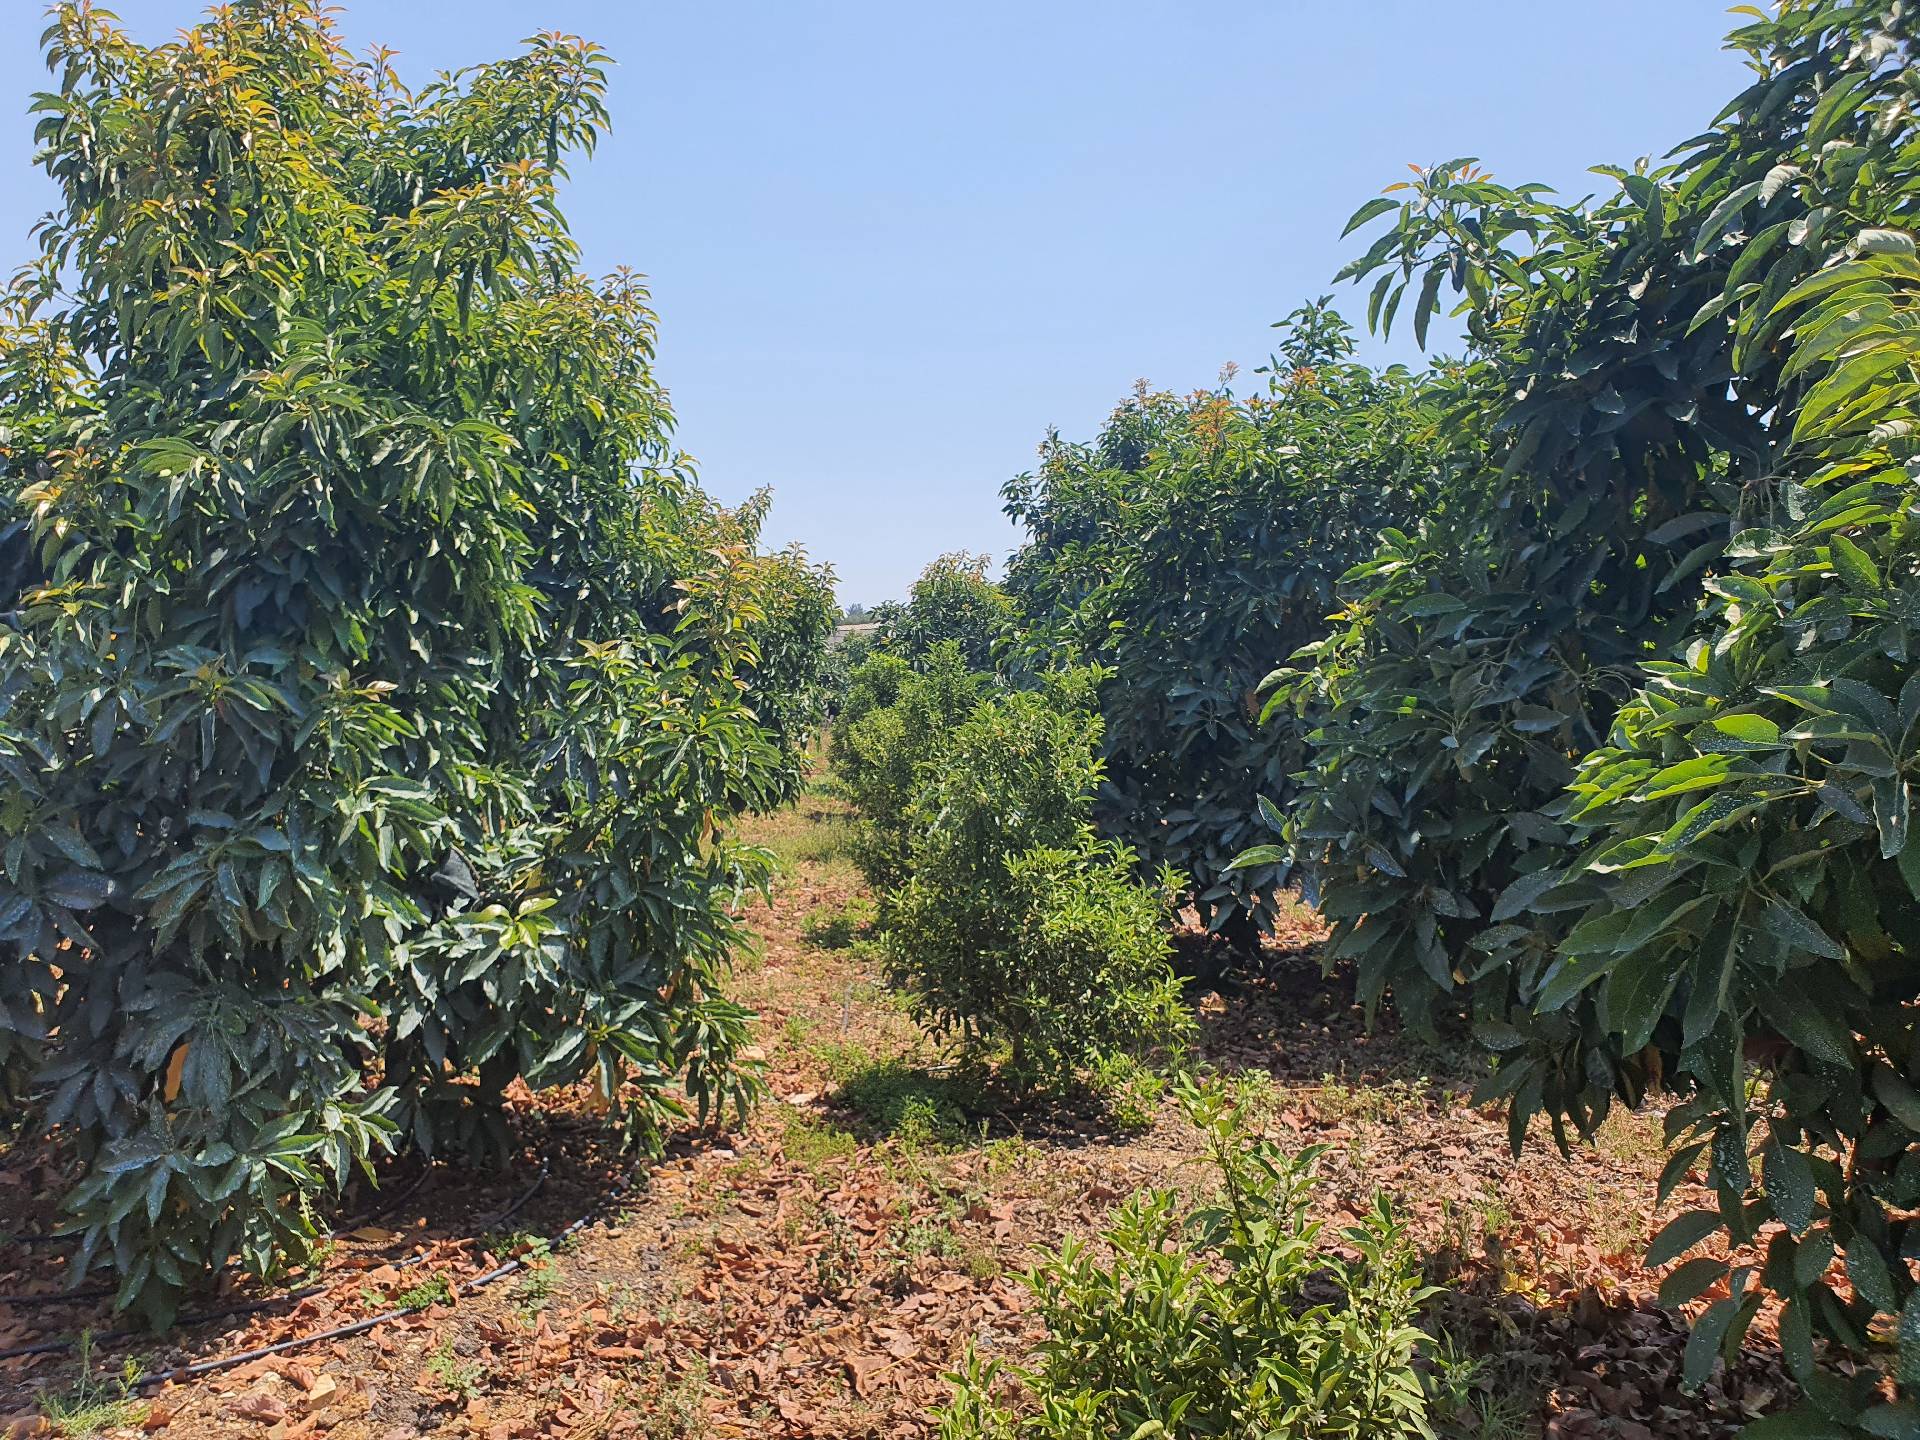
(378, 684)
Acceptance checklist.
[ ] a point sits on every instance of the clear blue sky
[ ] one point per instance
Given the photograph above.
(891, 243)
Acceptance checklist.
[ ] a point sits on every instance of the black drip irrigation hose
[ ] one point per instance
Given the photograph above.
(360, 1327)
(294, 1297)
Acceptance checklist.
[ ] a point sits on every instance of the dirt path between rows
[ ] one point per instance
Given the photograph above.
(817, 1272)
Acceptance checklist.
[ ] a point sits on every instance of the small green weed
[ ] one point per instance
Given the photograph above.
(434, 1290)
(1339, 1101)
(675, 1409)
(1128, 1091)
(453, 1374)
(536, 1285)
(836, 1265)
(93, 1406)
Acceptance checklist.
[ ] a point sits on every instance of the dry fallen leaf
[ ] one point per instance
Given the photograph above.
(865, 1370)
(258, 1405)
(177, 1062)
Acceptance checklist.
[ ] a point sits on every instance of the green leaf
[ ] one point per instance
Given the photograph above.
(1813, 1257)
(1907, 1334)
(78, 889)
(1750, 729)
(1854, 565)
(1899, 1096)
(1867, 1269)
(1521, 896)
(1789, 1185)
(1423, 308)
(1372, 210)
(1703, 1343)
(1793, 927)
(1690, 1280)
(1803, 1423)
(1808, 1024)
(1680, 1235)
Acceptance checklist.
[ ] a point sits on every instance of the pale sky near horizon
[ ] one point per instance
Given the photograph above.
(891, 244)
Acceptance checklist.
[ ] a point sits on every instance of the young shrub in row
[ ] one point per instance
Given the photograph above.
(1016, 927)
(1060, 955)
(1230, 1319)
(789, 610)
(895, 722)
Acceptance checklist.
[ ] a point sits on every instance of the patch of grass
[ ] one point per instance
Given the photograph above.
(795, 1029)
(534, 1289)
(512, 1244)
(434, 1290)
(1475, 1398)
(915, 1239)
(842, 1059)
(814, 1145)
(1129, 1091)
(1616, 1225)
(836, 1264)
(92, 1406)
(624, 1301)
(915, 1108)
(1469, 1231)
(809, 836)
(983, 1263)
(1339, 1101)
(839, 929)
(1012, 1156)
(1632, 1140)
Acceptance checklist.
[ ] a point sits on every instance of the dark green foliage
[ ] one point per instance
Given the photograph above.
(1194, 541)
(788, 606)
(1621, 744)
(951, 602)
(845, 655)
(377, 693)
(1015, 926)
(1191, 1323)
(1750, 820)
(891, 730)
(1060, 955)
(1003, 917)
(1481, 655)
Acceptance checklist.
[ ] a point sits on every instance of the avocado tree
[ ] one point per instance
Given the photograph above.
(1194, 541)
(784, 604)
(373, 698)
(1618, 747)
(953, 601)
